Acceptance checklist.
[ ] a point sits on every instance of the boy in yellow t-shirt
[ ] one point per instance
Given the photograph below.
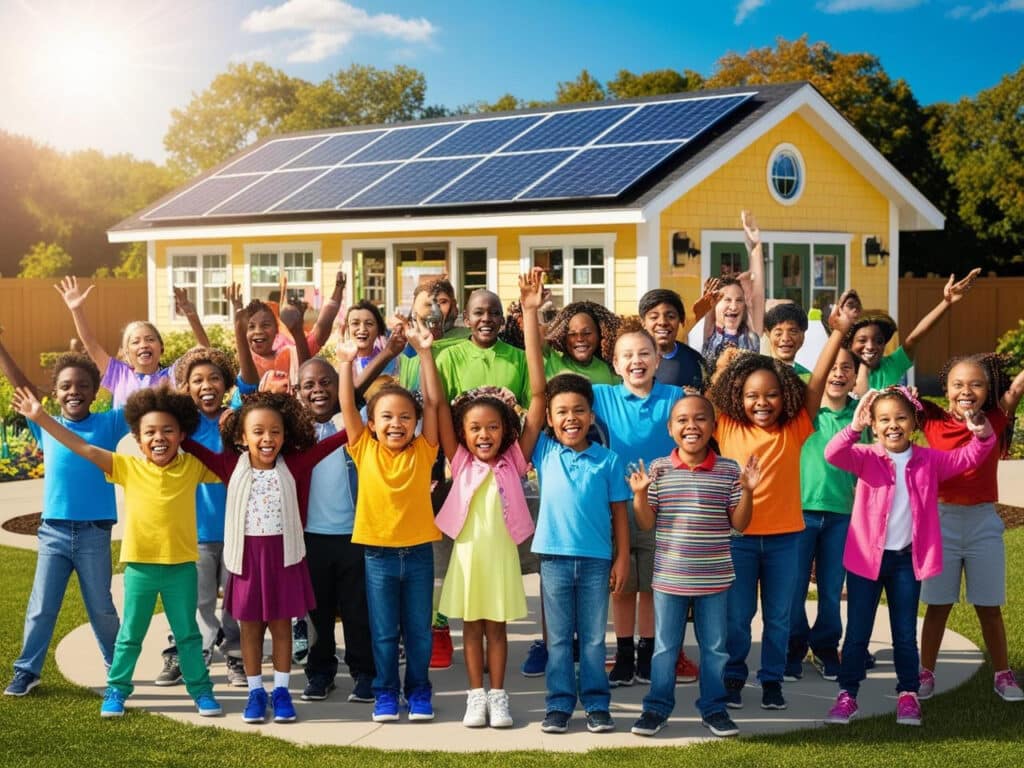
(160, 546)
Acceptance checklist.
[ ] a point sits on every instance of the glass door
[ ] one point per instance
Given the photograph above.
(415, 264)
(729, 259)
(827, 282)
(370, 273)
(791, 273)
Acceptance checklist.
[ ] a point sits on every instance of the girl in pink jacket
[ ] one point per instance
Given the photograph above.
(895, 539)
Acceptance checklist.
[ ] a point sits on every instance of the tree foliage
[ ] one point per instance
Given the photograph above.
(45, 260)
(657, 82)
(583, 89)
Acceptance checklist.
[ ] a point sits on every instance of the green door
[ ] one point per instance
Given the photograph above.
(728, 259)
(790, 273)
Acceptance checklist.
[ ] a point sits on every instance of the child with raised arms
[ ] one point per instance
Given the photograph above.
(395, 523)
(895, 539)
(73, 537)
(694, 499)
(972, 533)
(159, 547)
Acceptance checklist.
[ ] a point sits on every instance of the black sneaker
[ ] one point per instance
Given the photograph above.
(771, 695)
(363, 692)
(733, 693)
(826, 661)
(649, 724)
(623, 672)
(555, 722)
(317, 688)
(794, 670)
(171, 673)
(644, 651)
(599, 721)
(869, 661)
(720, 724)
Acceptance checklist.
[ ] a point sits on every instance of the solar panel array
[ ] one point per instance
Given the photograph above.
(569, 154)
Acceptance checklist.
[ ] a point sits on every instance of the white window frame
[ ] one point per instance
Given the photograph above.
(801, 170)
(280, 248)
(603, 240)
(199, 251)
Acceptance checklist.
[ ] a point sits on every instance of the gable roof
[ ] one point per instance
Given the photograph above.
(752, 111)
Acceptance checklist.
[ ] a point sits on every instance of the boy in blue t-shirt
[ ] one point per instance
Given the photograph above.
(583, 497)
(78, 512)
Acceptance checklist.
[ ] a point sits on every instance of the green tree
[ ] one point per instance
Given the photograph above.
(45, 260)
(359, 95)
(584, 88)
(657, 82)
(132, 263)
(244, 104)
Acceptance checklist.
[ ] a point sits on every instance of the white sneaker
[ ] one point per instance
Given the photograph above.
(497, 708)
(476, 709)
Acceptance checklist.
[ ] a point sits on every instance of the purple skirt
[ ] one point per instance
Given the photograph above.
(266, 590)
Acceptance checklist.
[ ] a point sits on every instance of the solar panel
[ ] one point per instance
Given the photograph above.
(482, 137)
(410, 184)
(265, 193)
(404, 143)
(199, 199)
(501, 177)
(271, 155)
(334, 150)
(672, 121)
(570, 129)
(601, 172)
(334, 188)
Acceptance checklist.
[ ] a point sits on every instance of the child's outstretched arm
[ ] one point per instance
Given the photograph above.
(430, 382)
(959, 460)
(13, 373)
(184, 306)
(246, 365)
(755, 291)
(346, 353)
(639, 483)
(531, 291)
(840, 322)
(706, 304)
(750, 476)
(1012, 396)
(75, 298)
(27, 405)
(329, 311)
(291, 316)
(951, 294)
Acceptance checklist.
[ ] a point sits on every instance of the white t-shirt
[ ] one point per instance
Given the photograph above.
(900, 525)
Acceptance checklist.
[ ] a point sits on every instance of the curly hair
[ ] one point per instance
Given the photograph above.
(995, 367)
(299, 433)
(498, 398)
(255, 306)
(899, 394)
(786, 312)
(392, 388)
(161, 399)
(606, 322)
(726, 391)
(76, 360)
(569, 382)
(204, 356)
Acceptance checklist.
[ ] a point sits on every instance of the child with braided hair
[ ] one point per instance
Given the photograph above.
(972, 533)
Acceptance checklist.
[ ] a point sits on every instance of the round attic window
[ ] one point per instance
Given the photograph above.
(786, 174)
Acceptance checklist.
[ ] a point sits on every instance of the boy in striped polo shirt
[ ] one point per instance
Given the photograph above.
(694, 499)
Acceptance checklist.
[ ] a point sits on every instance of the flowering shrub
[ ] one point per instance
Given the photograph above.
(26, 461)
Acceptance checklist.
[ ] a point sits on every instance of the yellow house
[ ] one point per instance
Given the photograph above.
(613, 198)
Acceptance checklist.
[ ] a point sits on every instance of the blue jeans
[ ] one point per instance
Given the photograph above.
(575, 594)
(768, 561)
(66, 546)
(902, 591)
(399, 596)
(709, 620)
(821, 542)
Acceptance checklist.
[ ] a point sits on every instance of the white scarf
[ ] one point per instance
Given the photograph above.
(239, 488)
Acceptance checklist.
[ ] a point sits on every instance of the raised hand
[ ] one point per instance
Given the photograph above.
(531, 289)
(74, 297)
(750, 475)
(233, 294)
(340, 280)
(396, 341)
(182, 303)
(25, 403)
(862, 415)
(750, 230)
(638, 478)
(954, 291)
(419, 334)
(346, 351)
(977, 423)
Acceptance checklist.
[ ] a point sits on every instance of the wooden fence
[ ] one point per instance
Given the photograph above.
(994, 306)
(35, 319)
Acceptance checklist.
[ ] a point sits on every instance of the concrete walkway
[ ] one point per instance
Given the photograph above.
(336, 721)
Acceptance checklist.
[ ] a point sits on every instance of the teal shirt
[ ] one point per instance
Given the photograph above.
(597, 370)
(823, 487)
(890, 370)
(464, 366)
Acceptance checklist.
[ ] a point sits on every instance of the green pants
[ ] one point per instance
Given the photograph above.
(176, 586)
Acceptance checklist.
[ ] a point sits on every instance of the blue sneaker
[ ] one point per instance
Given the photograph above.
(113, 703)
(420, 707)
(22, 683)
(536, 660)
(207, 705)
(385, 707)
(256, 707)
(284, 710)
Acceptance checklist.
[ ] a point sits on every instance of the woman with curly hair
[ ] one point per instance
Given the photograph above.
(765, 410)
(267, 472)
(972, 533)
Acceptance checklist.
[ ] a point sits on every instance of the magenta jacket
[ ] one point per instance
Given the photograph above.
(876, 482)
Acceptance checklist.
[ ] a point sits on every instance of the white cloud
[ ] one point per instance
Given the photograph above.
(978, 12)
(845, 6)
(747, 7)
(327, 26)
(959, 11)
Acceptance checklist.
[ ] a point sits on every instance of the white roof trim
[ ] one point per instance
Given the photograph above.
(596, 217)
(916, 212)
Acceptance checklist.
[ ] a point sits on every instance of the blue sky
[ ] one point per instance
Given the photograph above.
(106, 73)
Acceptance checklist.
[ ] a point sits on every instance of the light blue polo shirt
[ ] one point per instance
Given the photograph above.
(576, 492)
(211, 498)
(74, 488)
(331, 510)
(637, 427)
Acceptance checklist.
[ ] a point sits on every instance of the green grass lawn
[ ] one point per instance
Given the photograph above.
(59, 723)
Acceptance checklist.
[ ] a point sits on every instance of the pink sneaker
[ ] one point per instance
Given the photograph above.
(908, 710)
(844, 710)
(1006, 686)
(927, 689)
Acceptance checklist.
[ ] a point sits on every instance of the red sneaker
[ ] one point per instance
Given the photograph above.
(686, 669)
(442, 649)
